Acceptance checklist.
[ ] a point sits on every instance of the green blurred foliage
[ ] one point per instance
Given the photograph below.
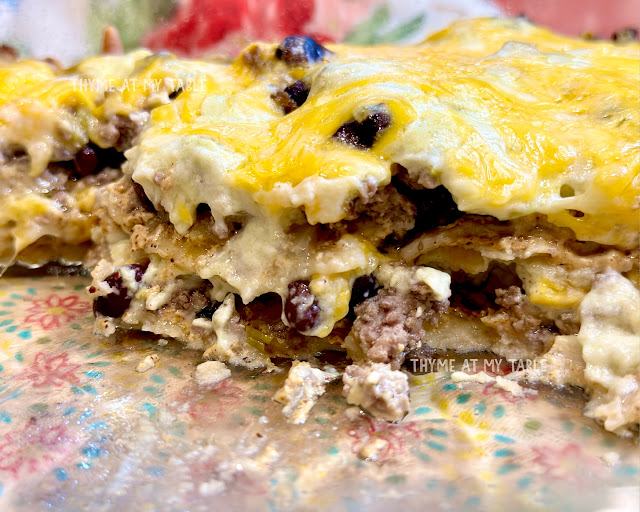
(373, 30)
(133, 18)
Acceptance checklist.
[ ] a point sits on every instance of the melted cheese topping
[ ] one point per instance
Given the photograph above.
(610, 339)
(510, 118)
(50, 114)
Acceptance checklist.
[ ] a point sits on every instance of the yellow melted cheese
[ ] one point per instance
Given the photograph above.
(512, 119)
(50, 114)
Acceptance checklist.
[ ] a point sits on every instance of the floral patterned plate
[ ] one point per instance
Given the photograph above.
(80, 429)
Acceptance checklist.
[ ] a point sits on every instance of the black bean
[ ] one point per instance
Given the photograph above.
(298, 92)
(378, 120)
(118, 301)
(208, 311)
(139, 269)
(300, 307)
(292, 97)
(301, 50)
(363, 288)
(85, 162)
(362, 134)
(348, 133)
(176, 93)
(142, 197)
(90, 160)
(115, 303)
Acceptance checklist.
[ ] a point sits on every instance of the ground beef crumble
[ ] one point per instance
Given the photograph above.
(120, 131)
(379, 214)
(390, 324)
(123, 205)
(519, 321)
(187, 303)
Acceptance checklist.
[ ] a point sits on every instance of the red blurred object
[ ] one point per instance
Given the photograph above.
(575, 17)
(200, 24)
(294, 15)
(226, 26)
(197, 24)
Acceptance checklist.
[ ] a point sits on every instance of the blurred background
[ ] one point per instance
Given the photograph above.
(71, 29)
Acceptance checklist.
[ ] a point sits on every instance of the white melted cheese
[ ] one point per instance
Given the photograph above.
(230, 343)
(196, 170)
(403, 279)
(610, 338)
(511, 119)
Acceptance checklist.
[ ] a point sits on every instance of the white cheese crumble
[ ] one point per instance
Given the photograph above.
(508, 384)
(378, 389)
(210, 373)
(147, 363)
(231, 339)
(301, 390)
(404, 279)
(480, 377)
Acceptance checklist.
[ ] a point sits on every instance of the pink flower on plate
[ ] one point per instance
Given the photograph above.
(377, 439)
(11, 458)
(49, 369)
(211, 405)
(566, 462)
(31, 448)
(240, 482)
(50, 312)
(226, 393)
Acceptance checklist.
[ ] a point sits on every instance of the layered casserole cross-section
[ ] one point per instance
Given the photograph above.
(476, 192)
